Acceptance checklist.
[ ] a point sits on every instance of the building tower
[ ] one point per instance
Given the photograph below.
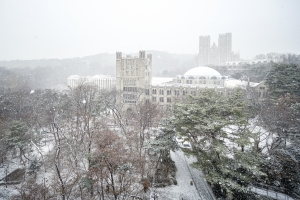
(225, 48)
(214, 55)
(133, 79)
(204, 50)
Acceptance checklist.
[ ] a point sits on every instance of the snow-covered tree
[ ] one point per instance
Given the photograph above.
(284, 78)
(159, 148)
(18, 138)
(217, 127)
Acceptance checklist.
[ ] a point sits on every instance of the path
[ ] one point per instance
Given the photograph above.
(184, 175)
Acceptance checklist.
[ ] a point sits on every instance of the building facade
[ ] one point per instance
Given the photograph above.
(133, 79)
(204, 50)
(216, 55)
(225, 48)
(133, 83)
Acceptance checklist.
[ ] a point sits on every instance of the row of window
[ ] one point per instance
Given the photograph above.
(202, 77)
(130, 73)
(161, 92)
(169, 92)
(161, 99)
(197, 82)
(129, 96)
(128, 101)
(129, 81)
(130, 89)
(129, 62)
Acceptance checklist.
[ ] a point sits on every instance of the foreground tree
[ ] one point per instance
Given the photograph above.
(217, 127)
(116, 168)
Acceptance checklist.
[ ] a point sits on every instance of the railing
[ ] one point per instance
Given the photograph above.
(265, 191)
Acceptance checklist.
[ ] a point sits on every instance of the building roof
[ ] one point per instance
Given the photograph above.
(202, 71)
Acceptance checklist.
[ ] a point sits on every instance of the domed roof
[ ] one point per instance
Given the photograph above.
(202, 71)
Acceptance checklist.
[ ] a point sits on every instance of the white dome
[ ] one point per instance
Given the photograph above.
(202, 71)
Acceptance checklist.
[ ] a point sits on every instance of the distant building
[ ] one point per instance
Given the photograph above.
(204, 50)
(239, 64)
(225, 48)
(134, 83)
(102, 82)
(216, 55)
(133, 78)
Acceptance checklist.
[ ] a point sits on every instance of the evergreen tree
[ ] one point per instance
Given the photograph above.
(18, 138)
(217, 127)
(284, 78)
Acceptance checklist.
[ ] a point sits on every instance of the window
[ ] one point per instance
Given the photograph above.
(169, 99)
(129, 96)
(169, 92)
(153, 99)
(183, 92)
(161, 99)
(161, 91)
(147, 91)
(261, 88)
(176, 92)
(153, 91)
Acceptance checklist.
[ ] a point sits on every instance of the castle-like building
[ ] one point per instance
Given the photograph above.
(134, 83)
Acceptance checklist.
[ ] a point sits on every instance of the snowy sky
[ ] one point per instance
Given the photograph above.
(35, 29)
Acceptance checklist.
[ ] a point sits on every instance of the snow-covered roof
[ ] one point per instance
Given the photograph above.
(161, 80)
(232, 83)
(99, 76)
(74, 77)
(202, 71)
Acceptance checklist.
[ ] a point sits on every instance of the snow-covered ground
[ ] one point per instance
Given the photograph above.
(184, 175)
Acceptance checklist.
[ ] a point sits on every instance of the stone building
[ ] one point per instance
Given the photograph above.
(133, 79)
(134, 83)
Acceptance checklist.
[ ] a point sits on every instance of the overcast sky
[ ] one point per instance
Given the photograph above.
(64, 29)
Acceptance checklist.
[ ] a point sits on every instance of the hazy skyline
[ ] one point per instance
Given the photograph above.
(65, 29)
